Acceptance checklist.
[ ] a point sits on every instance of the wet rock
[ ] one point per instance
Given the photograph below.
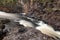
(30, 34)
(4, 21)
(2, 26)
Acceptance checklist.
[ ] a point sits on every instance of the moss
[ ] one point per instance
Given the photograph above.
(45, 1)
(4, 2)
(49, 9)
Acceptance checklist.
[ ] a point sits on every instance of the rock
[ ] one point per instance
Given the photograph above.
(29, 34)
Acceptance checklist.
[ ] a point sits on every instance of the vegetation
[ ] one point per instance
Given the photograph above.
(26, 3)
(5, 2)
